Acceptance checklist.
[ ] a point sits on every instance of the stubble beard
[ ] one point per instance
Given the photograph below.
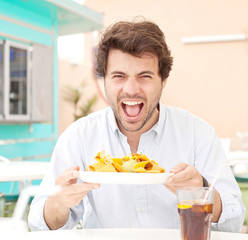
(148, 117)
(115, 110)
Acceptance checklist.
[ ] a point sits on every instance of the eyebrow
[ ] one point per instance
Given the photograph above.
(146, 72)
(118, 72)
(141, 73)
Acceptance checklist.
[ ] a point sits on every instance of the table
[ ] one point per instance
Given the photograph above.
(22, 170)
(121, 234)
(237, 156)
(239, 162)
(240, 171)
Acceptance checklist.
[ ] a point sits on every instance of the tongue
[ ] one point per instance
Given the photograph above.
(133, 110)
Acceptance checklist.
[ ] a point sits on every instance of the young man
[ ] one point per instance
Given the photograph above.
(135, 62)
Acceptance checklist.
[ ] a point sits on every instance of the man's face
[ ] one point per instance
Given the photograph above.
(133, 88)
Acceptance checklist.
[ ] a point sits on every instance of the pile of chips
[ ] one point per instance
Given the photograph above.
(137, 163)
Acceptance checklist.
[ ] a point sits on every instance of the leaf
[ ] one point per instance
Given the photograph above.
(87, 107)
(74, 95)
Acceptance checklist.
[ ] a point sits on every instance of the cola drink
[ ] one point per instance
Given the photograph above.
(195, 216)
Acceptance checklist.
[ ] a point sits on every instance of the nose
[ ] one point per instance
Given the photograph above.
(131, 87)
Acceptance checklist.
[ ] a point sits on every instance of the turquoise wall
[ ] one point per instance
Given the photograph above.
(33, 21)
(38, 20)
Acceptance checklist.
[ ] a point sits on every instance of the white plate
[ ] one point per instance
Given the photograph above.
(124, 178)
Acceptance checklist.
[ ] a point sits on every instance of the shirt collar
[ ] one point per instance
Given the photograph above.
(112, 122)
(158, 126)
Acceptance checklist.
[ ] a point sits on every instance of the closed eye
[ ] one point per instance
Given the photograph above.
(146, 76)
(118, 76)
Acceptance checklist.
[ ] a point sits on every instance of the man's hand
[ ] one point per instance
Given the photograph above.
(188, 176)
(70, 194)
(185, 176)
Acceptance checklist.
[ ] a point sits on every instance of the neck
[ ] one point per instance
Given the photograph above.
(133, 141)
(133, 137)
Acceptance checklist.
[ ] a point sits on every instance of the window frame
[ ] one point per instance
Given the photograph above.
(7, 45)
(2, 115)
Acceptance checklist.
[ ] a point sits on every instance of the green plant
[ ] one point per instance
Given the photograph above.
(74, 95)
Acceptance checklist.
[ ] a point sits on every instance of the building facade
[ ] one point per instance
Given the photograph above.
(29, 73)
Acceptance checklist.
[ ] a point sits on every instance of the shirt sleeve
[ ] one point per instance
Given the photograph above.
(209, 158)
(37, 222)
(67, 153)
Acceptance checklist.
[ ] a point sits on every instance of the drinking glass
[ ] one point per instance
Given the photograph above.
(195, 206)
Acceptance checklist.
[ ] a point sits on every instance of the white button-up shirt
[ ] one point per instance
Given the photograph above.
(178, 136)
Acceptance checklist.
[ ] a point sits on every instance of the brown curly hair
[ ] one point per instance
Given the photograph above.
(134, 38)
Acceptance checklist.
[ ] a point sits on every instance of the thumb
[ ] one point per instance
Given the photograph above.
(76, 168)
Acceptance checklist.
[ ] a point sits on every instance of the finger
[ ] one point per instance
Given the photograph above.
(76, 168)
(171, 181)
(75, 193)
(80, 195)
(170, 188)
(67, 176)
(189, 177)
(75, 174)
(178, 168)
(181, 176)
(70, 200)
(88, 186)
(72, 168)
(81, 187)
(71, 195)
(74, 200)
(75, 190)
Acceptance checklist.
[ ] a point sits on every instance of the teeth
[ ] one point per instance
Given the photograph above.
(131, 102)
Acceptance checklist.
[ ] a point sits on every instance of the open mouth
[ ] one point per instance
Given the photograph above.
(132, 109)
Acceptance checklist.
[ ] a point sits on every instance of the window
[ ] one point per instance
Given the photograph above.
(1, 79)
(17, 80)
(25, 93)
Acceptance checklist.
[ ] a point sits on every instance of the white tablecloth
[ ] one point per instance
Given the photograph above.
(238, 156)
(121, 234)
(22, 170)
